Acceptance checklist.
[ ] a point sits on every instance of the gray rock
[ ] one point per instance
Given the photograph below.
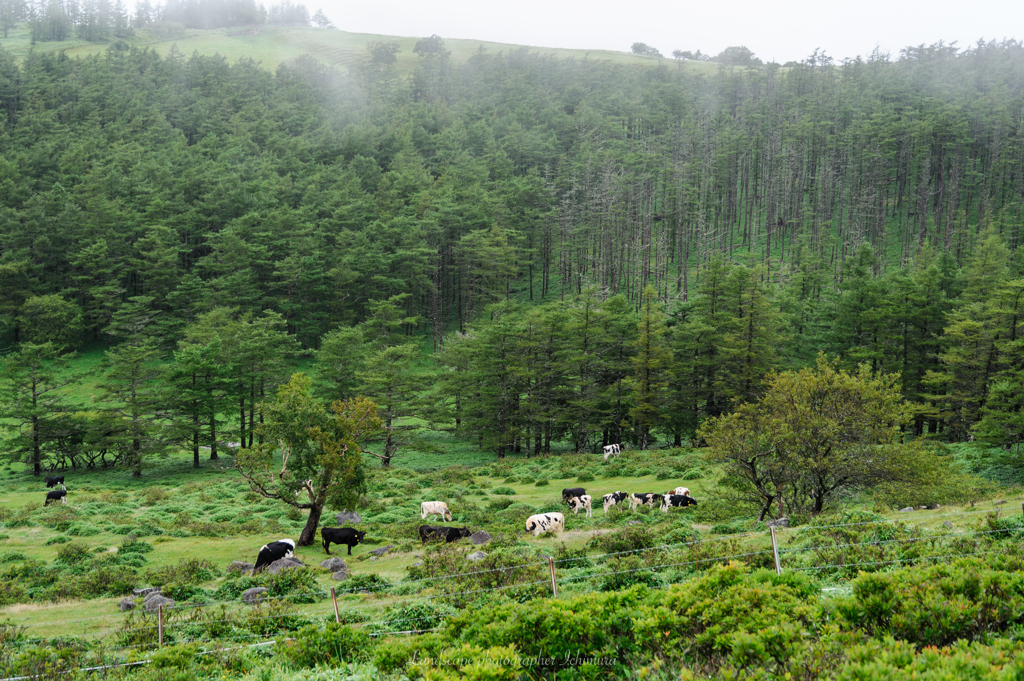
(147, 591)
(948, 525)
(381, 551)
(634, 522)
(779, 522)
(241, 566)
(480, 537)
(348, 517)
(372, 558)
(340, 575)
(908, 509)
(417, 563)
(478, 555)
(999, 503)
(284, 564)
(253, 595)
(154, 602)
(126, 604)
(334, 564)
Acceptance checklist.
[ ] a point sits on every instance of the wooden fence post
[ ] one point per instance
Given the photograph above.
(160, 624)
(554, 584)
(775, 550)
(334, 599)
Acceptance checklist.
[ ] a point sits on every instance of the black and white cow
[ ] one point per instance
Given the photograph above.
(54, 481)
(448, 534)
(282, 548)
(571, 492)
(340, 535)
(647, 499)
(614, 499)
(582, 502)
(435, 508)
(56, 495)
(545, 522)
(612, 450)
(677, 500)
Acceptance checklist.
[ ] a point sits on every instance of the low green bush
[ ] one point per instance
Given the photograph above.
(507, 491)
(334, 643)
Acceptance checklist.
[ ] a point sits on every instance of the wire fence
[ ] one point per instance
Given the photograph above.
(841, 553)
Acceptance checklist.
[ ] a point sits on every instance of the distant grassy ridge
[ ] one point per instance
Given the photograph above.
(271, 46)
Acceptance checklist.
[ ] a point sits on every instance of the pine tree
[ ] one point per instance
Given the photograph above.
(648, 382)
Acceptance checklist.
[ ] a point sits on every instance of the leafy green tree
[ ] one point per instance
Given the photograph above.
(32, 400)
(341, 355)
(134, 402)
(815, 434)
(316, 448)
(652, 364)
(51, 319)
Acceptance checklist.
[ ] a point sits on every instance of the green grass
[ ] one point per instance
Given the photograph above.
(273, 45)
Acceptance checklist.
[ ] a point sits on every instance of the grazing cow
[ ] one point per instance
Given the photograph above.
(614, 499)
(434, 508)
(612, 450)
(282, 548)
(647, 499)
(545, 522)
(676, 500)
(61, 494)
(571, 492)
(340, 535)
(54, 481)
(581, 502)
(449, 534)
(683, 491)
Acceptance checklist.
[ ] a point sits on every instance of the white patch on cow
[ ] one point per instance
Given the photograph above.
(581, 502)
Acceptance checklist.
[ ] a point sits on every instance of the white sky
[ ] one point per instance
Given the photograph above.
(779, 31)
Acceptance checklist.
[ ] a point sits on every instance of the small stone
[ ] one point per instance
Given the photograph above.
(417, 563)
(907, 509)
(241, 566)
(126, 604)
(284, 564)
(364, 592)
(145, 592)
(477, 555)
(253, 595)
(334, 564)
(372, 558)
(340, 575)
(779, 522)
(948, 525)
(348, 517)
(381, 551)
(154, 602)
(480, 537)
(998, 503)
(634, 522)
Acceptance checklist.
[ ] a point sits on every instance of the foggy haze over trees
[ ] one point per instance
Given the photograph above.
(95, 20)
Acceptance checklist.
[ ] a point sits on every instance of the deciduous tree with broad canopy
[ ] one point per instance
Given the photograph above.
(310, 454)
(816, 433)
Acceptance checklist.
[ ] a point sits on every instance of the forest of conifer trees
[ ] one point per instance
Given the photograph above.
(593, 252)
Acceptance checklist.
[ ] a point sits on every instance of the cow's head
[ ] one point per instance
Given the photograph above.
(360, 534)
(464, 532)
(531, 525)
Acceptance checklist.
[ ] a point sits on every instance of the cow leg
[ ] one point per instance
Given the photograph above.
(327, 547)
(350, 549)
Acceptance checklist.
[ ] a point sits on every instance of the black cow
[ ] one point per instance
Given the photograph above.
(282, 548)
(56, 495)
(54, 481)
(449, 534)
(571, 492)
(675, 500)
(341, 535)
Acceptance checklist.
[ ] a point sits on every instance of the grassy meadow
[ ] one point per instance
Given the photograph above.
(273, 45)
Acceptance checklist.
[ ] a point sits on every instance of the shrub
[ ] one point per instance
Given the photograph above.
(584, 477)
(108, 580)
(630, 539)
(500, 504)
(412, 617)
(627, 571)
(59, 539)
(543, 482)
(506, 491)
(371, 582)
(186, 571)
(11, 556)
(133, 544)
(334, 643)
(73, 553)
